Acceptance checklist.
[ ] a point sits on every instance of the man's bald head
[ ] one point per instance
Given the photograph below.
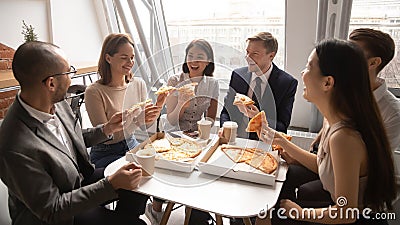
(34, 61)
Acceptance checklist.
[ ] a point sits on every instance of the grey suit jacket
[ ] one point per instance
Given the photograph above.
(43, 180)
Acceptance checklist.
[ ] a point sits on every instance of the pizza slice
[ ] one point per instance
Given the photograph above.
(188, 89)
(191, 149)
(164, 89)
(234, 153)
(264, 162)
(242, 99)
(255, 123)
(160, 145)
(139, 105)
(239, 154)
(173, 155)
(278, 147)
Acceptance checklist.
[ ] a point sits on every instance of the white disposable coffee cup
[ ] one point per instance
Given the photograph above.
(230, 131)
(204, 128)
(146, 158)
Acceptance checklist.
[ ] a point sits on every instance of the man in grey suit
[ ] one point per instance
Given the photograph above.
(43, 157)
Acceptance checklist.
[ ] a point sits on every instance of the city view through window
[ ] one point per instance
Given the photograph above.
(226, 24)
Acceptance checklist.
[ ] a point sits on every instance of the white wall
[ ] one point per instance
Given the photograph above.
(73, 25)
(301, 23)
(12, 12)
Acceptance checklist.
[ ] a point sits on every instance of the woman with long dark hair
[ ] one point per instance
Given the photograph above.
(354, 161)
(185, 110)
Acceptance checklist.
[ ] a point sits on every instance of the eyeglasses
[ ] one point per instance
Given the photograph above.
(71, 73)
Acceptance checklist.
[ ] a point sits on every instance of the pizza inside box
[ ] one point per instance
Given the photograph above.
(168, 155)
(219, 161)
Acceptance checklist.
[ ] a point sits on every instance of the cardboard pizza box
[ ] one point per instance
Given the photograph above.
(216, 162)
(182, 166)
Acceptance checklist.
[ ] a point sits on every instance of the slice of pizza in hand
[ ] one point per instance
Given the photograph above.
(188, 89)
(278, 147)
(137, 106)
(255, 123)
(242, 99)
(164, 89)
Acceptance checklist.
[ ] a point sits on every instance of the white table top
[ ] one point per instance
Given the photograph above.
(223, 196)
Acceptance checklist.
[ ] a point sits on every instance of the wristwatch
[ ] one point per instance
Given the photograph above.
(109, 137)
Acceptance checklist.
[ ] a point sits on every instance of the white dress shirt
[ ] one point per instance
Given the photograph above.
(389, 107)
(264, 81)
(53, 123)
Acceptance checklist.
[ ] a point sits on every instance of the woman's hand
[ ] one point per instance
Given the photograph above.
(151, 113)
(266, 134)
(162, 98)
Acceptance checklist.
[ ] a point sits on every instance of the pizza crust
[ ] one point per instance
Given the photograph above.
(188, 89)
(255, 123)
(242, 99)
(139, 105)
(164, 89)
(257, 158)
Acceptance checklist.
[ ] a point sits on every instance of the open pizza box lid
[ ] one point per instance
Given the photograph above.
(216, 162)
(182, 166)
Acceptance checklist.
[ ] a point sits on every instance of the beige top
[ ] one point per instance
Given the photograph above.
(325, 167)
(103, 101)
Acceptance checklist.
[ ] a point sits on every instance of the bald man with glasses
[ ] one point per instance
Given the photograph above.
(43, 157)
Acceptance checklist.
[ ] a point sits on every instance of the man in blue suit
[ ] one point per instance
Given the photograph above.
(271, 88)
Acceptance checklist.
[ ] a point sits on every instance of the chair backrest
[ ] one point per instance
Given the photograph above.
(395, 91)
(77, 98)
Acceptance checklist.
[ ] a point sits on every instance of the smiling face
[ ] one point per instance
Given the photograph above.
(258, 57)
(197, 61)
(313, 79)
(122, 61)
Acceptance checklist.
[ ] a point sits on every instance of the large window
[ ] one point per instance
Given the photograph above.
(381, 15)
(226, 24)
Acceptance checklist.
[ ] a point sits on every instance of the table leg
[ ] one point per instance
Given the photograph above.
(167, 213)
(219, 219)
(188, 211)
(247, 221)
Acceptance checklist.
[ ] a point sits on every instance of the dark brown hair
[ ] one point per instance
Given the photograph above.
(270, 42)
(376, 43)
(206, 47)
(111, 46)
(352, 97)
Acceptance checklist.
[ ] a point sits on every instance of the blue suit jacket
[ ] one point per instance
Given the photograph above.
(281, 90)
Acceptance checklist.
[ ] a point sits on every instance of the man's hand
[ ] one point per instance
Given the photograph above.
(113, 125)
(248, 110)
(127, 177)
